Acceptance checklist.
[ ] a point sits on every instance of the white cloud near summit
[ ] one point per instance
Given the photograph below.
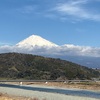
(63, 50)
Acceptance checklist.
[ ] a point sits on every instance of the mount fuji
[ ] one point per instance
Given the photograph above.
(35, 40)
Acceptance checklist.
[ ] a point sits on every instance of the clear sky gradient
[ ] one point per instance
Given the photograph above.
(60, 21)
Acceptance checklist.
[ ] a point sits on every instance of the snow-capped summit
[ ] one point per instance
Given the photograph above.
(35, 40)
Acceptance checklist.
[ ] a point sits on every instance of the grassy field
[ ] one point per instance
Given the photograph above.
(78, 85)
(7, 97)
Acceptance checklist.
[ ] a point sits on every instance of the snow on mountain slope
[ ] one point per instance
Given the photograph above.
(35, 40)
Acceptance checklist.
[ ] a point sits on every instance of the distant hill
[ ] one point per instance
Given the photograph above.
(92, 62)
(27, 66)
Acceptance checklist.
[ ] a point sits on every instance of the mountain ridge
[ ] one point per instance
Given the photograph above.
(27, 66)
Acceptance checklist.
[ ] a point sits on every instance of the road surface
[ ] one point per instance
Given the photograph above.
(49, 93)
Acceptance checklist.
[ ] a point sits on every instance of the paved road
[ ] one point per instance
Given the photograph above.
(82, 93)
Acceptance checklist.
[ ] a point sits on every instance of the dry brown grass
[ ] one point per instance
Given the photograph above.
(7, 97)
(82, 85)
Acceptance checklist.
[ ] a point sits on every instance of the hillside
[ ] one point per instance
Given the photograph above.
(27, 66)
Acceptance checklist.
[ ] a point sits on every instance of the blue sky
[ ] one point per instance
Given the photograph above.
(60, 21)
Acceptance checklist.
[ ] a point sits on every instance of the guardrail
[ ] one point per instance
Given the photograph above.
(47, 81)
